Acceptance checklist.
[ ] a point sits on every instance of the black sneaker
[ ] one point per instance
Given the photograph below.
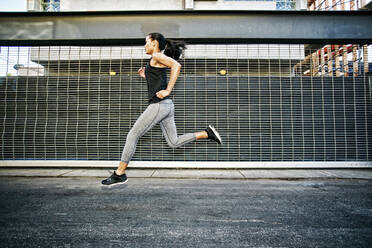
(115, 180)
(213, 134)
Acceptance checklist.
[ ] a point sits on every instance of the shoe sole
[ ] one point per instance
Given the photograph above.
(216, 134)
(114, 184)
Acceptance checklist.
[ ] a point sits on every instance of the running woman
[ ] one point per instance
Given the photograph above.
(164, 54)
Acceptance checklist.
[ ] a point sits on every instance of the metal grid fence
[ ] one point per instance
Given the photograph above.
(270, 103)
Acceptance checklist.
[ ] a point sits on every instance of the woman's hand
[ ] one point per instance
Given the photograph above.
(141, 72)
(163, 93)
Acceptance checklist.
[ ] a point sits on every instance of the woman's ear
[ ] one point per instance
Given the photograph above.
(155, 43)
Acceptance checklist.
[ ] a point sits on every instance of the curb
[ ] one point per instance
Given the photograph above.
(242, 174)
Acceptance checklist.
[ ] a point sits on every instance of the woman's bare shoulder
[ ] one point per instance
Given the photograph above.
(160, 60)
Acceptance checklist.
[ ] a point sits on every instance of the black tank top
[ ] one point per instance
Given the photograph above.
(156, 80)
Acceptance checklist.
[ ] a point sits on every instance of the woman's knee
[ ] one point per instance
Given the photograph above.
(132, 137)
(173, 145)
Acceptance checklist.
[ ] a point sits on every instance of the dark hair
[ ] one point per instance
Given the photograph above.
(173, 48)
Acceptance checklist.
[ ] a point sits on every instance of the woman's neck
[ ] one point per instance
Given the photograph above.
(156, 50)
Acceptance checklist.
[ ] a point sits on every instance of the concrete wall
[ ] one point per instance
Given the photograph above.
(112, 5)
(234, 5)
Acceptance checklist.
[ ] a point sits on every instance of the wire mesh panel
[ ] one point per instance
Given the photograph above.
(269, 102)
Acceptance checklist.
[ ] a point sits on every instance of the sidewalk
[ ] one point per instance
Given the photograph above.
(285, 174)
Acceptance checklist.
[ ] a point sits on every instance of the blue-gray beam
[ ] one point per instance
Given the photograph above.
(131, 27)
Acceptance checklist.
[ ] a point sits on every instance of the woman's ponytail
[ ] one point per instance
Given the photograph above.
(172, 48)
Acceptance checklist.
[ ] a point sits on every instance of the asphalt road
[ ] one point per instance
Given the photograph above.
(77, 212)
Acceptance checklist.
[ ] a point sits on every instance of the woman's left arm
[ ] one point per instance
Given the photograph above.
(175, 71)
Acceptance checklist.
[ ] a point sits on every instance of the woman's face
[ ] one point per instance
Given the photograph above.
(149, 46)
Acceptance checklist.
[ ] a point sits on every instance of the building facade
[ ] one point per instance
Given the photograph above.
(271, 102)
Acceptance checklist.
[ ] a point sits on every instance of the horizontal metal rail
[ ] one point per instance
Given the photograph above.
(196, 27)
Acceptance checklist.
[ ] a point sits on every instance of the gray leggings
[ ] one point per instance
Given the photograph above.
(163, 113)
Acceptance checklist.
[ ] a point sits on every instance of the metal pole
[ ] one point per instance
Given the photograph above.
(365, 58)
(344, 60)
(337, 60)
(322, 60)
(330, 59)
(355, 60)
